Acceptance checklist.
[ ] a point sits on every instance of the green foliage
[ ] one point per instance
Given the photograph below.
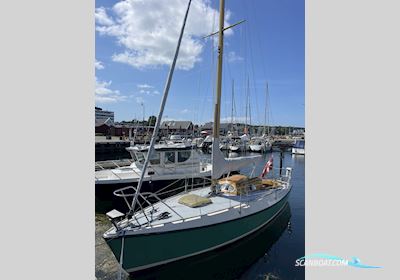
(152, 121)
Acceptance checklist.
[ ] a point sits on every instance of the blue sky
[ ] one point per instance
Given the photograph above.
(135, 42)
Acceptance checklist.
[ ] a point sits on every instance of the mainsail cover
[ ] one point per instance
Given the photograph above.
(222, 165)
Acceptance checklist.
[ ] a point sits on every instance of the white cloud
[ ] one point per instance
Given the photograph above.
(108, 99)
(185, 111)
(102, 87)
(98, 65)
(144, 86)
(148, 31)
(147, 89)
(104, 94)
(233, 57)
(102, 18)
(166, 119)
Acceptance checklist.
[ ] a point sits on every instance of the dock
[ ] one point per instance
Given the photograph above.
(106, 265)
(108, 148)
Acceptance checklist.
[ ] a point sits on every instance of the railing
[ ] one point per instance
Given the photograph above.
(99, 166)
(144, 196)
(275, 174)
(111, 164)
(186, 186)
(147, 198)
(116, 174)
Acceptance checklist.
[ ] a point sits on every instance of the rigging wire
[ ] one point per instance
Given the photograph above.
(264, 68)
(252, 71)
(211, 69)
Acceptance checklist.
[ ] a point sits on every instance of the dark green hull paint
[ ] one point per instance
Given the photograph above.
(144, 250)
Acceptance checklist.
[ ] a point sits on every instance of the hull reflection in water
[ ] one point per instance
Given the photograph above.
(228, 262)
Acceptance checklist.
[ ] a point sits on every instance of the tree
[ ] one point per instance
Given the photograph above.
(152, 121)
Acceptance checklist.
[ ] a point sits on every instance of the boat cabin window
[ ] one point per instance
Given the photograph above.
(183, 156)
(175, 137)
(140, 157)
(226, 187)
(155, 158)
(169, 157)
(299, 144)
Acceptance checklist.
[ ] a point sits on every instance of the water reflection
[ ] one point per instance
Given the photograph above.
(229, 262)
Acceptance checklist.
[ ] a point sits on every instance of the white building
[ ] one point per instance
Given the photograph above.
(103, 115)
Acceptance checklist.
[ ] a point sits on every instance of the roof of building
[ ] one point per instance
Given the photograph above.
(100, 122)
(176, 124)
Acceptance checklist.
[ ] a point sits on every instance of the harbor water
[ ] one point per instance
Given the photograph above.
(269, 253)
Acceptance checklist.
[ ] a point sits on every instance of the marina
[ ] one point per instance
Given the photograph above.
(188, 196)
(236, 205)
(166, 140)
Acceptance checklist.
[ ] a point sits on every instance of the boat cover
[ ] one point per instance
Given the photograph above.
(240, 184)
(194, 200)
(270, 183)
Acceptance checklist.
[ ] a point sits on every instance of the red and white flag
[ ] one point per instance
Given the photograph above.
(267, 167)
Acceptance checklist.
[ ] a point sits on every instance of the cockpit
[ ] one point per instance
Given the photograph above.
(241, 184)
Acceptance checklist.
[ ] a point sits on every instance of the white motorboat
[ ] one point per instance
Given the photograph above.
(268, 145)
(299, 147)
(237, 145)
(224, 143)
(207, 143)
(257, 144)
(197, 142)
(168, 162)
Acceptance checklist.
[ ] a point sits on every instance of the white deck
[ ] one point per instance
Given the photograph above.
(222, 208)
(218, 203)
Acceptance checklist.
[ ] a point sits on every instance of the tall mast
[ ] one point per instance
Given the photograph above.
(248, 99)
(217, 101)
(265, 112)
(247, 107)
(233, 103)
(267, 107)
(160, 114)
